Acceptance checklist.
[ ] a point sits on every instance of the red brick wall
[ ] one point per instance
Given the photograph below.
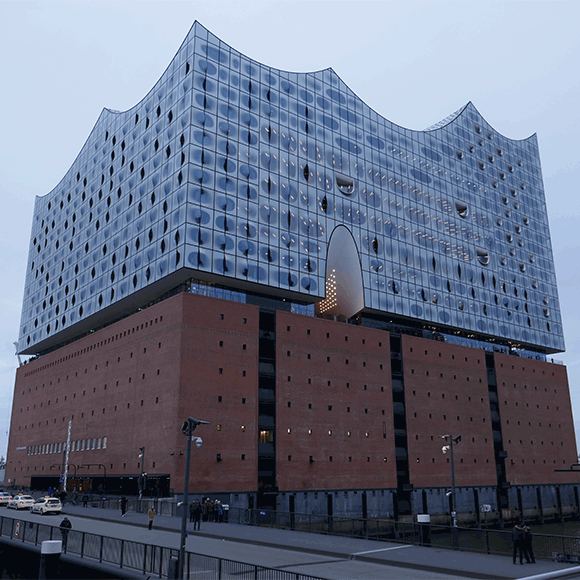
(304, 345)
(536, 419)
(135, 382)
(108, 384)
(206, 323)
(446, 392)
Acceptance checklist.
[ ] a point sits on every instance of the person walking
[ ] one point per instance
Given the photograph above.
(75, 496)
(123, 506)
(151, 514)
(197, 515)
(85, 500)
(528, 548)
(65, 528)
(191, 510)
(62, 496)
(518, 538)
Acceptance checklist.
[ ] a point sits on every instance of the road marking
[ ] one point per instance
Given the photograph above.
(381, 550)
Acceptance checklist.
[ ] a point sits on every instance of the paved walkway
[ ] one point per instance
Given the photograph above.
(315, 554)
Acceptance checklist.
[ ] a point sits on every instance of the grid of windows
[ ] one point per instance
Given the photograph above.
(242, 172)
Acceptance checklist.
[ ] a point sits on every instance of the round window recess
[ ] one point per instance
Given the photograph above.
(459, 154)
(518, 228)
(545, 299)
(522, 267)
(481, 164)
(462, 209)
(499, 151)
(478, 128)
(512, 251)
(344, 183)
(509, 237)
(482, 256)
(526, 220)
(494, 183)
(532, 258)
(499, 221)
(535, 284)
(503, 260)
(504, 199)
(546, 312)
(490, 157)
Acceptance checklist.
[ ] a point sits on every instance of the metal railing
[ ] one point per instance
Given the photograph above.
(140, 557)
(490, 541)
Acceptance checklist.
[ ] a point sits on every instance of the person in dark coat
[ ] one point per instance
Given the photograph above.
(528, 548)
(65, 528)
(518, 538)
(191, 510)
(123, 506)
(85, 500)
(197, 515)
(62, 496)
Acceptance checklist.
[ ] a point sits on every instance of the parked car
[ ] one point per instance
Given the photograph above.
(47, 505)
(19, 502)
(5, 497)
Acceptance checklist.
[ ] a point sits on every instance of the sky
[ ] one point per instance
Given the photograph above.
(412, 62)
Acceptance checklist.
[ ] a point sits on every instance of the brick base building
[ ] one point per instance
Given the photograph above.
(301, 409)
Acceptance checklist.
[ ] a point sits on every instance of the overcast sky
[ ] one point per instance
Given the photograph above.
(413, 62)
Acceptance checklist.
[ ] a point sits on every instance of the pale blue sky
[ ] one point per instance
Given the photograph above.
(413, 62)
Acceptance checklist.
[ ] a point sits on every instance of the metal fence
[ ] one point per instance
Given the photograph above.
(140, 557)
(490, 541)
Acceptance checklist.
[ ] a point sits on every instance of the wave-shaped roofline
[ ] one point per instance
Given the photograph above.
(452, 118)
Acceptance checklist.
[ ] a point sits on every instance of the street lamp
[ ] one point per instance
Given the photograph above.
(451, 442)
(187, 429)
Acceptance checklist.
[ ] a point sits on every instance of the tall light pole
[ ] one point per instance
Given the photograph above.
(187, 429)
(451, 442)
(141, 482)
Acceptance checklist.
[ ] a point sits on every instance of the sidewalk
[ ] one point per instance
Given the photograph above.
(438, 561)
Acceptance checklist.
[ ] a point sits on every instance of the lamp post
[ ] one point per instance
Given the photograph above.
(142, 456)
(187, 429)
(451, 442)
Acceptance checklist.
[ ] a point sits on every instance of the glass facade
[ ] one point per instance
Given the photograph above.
(233, 172)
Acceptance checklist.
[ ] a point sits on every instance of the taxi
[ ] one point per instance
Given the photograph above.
(19, 502)
(5, 498)
(47, 505)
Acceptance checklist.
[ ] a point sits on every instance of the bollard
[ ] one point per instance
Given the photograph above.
(172, 568)
(49, 559)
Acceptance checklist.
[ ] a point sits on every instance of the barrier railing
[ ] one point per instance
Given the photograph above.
(140, 557)
(490, 541)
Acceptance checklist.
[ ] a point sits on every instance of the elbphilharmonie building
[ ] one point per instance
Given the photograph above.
(284, 197)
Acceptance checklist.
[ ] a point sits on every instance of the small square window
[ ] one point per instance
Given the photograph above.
(219, 398)
(243, 401)
(221, 316)
(221, 371)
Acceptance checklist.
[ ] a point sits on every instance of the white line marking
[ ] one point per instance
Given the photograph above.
(382, 550)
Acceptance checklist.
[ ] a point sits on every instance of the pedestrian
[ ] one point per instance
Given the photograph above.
(210, 510)
(49, 492)
(220, 512)
(123, 506)
(518, 538)
(528, 548)
(197, 515)
(204, 510)
(62, 496)
(191, 509)
(85, 500)
(151, 514)
(65, 528)
(75, 496)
